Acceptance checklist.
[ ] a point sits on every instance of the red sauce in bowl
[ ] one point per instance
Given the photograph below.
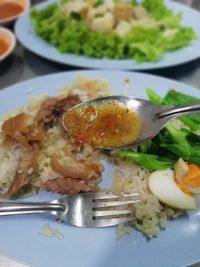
(10, 9)
(3, 46)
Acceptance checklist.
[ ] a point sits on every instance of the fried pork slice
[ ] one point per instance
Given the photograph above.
(25, 167)
(52, 109)
(22, 129)
(65, 185)
(72, 179)
(82, 171)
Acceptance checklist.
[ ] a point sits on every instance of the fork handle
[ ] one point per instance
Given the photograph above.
(18, 208)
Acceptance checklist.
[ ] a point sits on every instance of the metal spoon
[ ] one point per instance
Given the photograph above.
(153, 117)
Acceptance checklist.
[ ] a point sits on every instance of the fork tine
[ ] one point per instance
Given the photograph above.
(110, 195)
(99, 213)
(115, 203)
(114, 221)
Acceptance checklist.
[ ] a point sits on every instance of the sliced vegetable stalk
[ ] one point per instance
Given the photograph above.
(176, 98)
(153, 97)
(148, 161)
(173, 98)
(181, 146)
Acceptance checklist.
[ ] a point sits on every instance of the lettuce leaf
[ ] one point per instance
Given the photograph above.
(144, 43)
(181, 38)
(157, 8)
(141, 43)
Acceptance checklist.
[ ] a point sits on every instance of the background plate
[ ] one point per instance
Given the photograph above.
(35, 44)
(176, 246)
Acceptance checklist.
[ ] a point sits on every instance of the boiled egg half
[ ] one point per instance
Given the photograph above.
(163, 185)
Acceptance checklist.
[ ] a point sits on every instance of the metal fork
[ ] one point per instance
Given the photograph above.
(83, 210)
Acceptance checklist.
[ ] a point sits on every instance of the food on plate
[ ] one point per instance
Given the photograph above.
(106, 124)
(10, 9)
(140, 30)
(36, 152)
(50, 232)
(163, 185)
(188, 175)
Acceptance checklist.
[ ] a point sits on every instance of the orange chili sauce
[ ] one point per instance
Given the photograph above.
(109, 124)
(9, 9)
(3, 46)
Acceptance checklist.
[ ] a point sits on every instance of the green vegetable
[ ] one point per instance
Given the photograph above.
(149, 161)
(157, 8)
(38, 15)
(63, 1)
(145, 147)
(153, 97)
(173, 21)
(98, 3)
(182, 146)
(176, 98)
(192, 138)
(142, 43)
(181, 38)
(177, 136)
(170, 143)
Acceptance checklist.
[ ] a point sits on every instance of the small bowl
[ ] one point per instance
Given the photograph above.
(10, 39)
(25, 4)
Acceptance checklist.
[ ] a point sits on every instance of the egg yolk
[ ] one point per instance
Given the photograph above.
(192, 177)
(182, 187)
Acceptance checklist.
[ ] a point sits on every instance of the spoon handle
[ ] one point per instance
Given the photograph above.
(179, 110)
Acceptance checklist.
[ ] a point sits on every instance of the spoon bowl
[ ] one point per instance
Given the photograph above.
(152, 117)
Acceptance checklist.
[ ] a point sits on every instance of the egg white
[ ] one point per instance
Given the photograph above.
(163, 186)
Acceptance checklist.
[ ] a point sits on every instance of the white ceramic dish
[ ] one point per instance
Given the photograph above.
(24, 3)
(31, 41)
(176, 246)
(9, 37)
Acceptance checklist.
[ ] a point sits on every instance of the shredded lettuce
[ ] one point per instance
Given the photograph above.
(142, 43)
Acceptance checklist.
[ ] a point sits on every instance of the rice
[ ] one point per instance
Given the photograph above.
(150, 215)
(8, 164)
(64, 150)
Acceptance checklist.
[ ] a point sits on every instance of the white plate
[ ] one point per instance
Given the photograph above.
(20, 239)
(35, 44)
